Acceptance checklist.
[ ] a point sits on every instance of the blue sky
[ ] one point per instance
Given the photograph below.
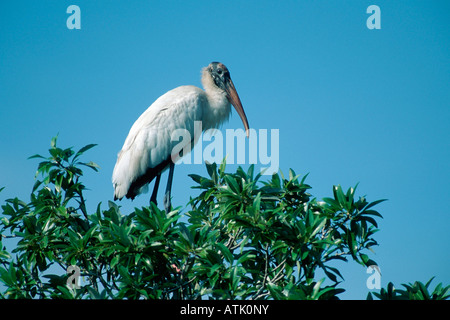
(352, 105)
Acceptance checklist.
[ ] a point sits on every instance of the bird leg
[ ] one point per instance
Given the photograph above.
(155, 189)
(167, 203)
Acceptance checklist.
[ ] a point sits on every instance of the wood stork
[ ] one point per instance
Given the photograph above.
(147, 150)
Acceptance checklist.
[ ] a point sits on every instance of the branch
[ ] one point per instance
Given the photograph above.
(266, 267)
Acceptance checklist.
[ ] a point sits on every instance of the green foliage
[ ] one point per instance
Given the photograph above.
(413, 291)
(242, 238)
(269, 241)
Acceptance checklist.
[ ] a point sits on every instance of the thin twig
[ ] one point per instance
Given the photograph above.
(279, 275)
(266, 268)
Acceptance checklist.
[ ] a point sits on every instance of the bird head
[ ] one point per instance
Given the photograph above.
(221, 77)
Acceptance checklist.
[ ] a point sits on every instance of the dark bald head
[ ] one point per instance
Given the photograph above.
(221, 77)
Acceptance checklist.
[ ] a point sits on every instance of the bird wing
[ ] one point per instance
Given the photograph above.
(149, 144)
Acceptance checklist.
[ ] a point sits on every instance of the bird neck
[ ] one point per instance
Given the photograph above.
(218, 108)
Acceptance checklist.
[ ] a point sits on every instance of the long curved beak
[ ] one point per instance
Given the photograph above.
(233, 97)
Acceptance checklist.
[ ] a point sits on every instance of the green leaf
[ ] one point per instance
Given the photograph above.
(339, 196)
(53, 141)
(292, 175)
(186, 234)
(250, 171)
(196, 178)
(91, 165)
(222, 167)
(372, 212)
(231, 182)
(316, 288)
(83, 150)
(319, 227)
(211, 168)
(332, 202)
(370, 205)
(114, 261)
(276, 182)
(226, 252)
(38, 156)
(246, 256)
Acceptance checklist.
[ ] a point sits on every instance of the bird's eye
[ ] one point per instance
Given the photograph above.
(219, 71)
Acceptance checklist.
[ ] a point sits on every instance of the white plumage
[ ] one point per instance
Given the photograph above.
(148, 147)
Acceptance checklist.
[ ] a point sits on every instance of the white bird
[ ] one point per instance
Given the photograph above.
(147, 150)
